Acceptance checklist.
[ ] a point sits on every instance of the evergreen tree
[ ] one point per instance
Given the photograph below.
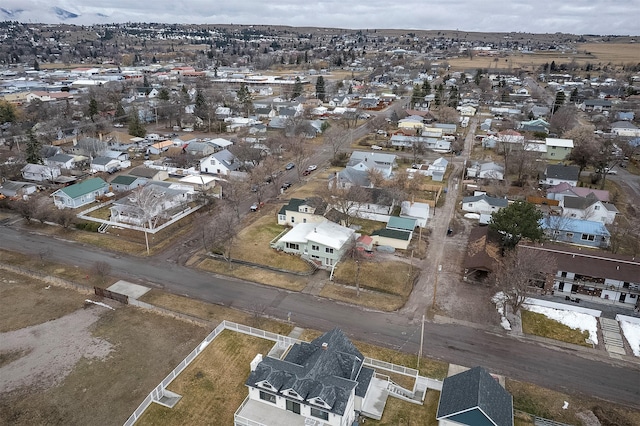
(244, 98)
(573, 98)
(7, 112)
(559, 101)
(163, 95)
(320, 91)
(32, 152)
(297, 88)
(201, 108)
(121, 115)
(426, 88)
(93, 108)
(36, 66)
(416, 97)
(516, 221)
(136, 128)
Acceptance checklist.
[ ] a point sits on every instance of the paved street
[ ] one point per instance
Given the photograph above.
(565, 369)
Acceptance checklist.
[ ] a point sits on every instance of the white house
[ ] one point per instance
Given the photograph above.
(437, 169)
(157, 202)
(62, 161)
(489, 170)
(483, 204)
(559, 173)
(221, 163)
(323, 382)
(298, 211)
(104, 164)
(40, 172)
(365, 161)
(589, 208)
(418, 211)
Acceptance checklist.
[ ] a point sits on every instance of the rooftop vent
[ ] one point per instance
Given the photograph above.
(325, 345)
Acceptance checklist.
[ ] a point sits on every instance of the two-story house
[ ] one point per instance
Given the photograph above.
(323, 382)
(298, 211)
(558, 149)
(221, 163)
(557, 173)
(589, 208)
(365, 161)
(322, 243)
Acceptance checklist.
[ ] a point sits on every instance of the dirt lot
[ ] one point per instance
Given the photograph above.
(72, 365)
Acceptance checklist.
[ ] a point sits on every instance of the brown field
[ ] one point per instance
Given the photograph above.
(539, 325)
(595, 53)
(256, 275)
(390, 277)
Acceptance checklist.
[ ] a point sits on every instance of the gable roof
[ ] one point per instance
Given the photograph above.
(565, 224)
(492, 201)
(393, 234)
(580, 203)
(83, 188)
(145, 172)
(401, 223)
(562, 171)
(124, 180)
(103, 161)
(227, 159)
(475, 398)
(329, 368)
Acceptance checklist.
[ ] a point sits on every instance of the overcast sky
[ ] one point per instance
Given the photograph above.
(569, 16)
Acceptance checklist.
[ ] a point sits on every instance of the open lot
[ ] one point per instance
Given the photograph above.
(539, 325)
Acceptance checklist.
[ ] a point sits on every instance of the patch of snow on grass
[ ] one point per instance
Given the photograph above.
(104, 305)
(632, 334)
(574, 320)
(499, 299)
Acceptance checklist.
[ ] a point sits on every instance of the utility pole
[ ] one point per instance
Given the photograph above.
(421, 342)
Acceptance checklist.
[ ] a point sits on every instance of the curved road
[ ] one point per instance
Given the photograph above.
(573, 371)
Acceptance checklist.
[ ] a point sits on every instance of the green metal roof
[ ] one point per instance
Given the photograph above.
(85, 187)
(124, 180)
(392, 233)
(403, 223)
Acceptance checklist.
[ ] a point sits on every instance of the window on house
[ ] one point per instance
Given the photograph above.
(328, 250)
(304, 220)
(293, 246)
(267, 397)
(319, 414)
(563, 274)
(294, 407)
(293, 219)
(596, 207)
(315, 247)
(588, 237)
(569, 234)
(625, 285)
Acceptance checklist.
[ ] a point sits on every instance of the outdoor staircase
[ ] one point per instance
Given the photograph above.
(103, 228)
(612, 337)
(399, 392)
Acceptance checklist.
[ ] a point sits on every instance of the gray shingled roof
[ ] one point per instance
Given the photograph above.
(313, 371)
(492, 201)
(475, 398)
(561, 171)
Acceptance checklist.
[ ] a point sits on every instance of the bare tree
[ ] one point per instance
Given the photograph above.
(337, 139)
(299, 150)
(447, 114)
(585, 146)
(235, 191)
(348, 201)
(519, 271)
(102, 270)
(65, 217)
(563, 120)
(221, 231)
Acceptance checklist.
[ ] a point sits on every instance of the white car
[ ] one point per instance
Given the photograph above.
(312, 167)
(376, 147)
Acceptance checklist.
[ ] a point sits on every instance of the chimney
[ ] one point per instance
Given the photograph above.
(325, 345)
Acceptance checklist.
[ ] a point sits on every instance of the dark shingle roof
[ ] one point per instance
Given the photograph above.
(312, 370)
(475, 398)
(561, 171)
(124, 180)
(492, 201)
(392, 233)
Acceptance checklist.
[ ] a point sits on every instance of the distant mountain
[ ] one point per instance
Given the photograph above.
(10, 14)
(41, 11)
(64, 14)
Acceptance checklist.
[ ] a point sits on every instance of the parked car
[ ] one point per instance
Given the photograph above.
(312, 167)
(376, 147)
(290, 166)
(254, 207)
(285, 186)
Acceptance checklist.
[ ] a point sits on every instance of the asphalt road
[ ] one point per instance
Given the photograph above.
(558, 368)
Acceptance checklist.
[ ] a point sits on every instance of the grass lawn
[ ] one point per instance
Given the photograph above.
(539, 325)
(367, 226)
(391, 277)
(373, 300)
(101, 213)
(255, 274)
(212, 387)
(252, 244)
(401, 413)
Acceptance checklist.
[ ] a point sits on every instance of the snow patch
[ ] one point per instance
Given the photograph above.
(499, 300)
(574, 320)
(99, 304)
(631, 332)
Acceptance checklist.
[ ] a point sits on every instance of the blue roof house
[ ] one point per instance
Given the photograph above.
(576, 231)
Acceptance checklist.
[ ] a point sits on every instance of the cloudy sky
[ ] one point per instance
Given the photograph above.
(569, 16)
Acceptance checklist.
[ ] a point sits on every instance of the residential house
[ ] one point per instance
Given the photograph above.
(365, 161)
(404, 224)
(589, 208)
(467, 110)
(490, 170)
(80, 194)
(397, 234)
(323, 243)
(104, 164)
(537, 126)
(625, 129)
(15, 190)
(417, 211)
(483, 204)
(40, 172)
(323, 382)
(483, 254)
(159, 147)
(124, 183)
(596, 105)
(222, 112)
(379, 205)
(558, 149)
(221, 163)
(161, 200)
(62, 161)
(350, 177)
(562, 190)
(220, 143)
(597, 274)
(510, 136)
(474, 398)
(435, 144)
(575, 231)
(297, 211)
(199, 148)
(149, 173)
(557, 173)
(437, 169)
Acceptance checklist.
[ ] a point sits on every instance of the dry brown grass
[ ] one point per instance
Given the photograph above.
(211, 394)
(27, 301)
(391, 277)
(373, 300)
(546, 403)
(211, 312)
(539, 325)
(255, 274)
(401, 413)
(146, 348)
(252, 244)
